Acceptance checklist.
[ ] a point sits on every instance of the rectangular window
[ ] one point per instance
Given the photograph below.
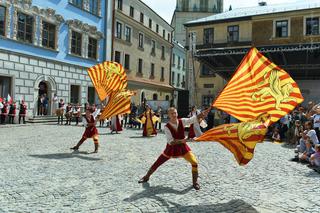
(92, 48)
(76, 43)
(179, 62)
(128, 34)
(206, 71)
(75, 94)
(169, 37)
(117, 57)
(5, 86)
(172, 78)
(208, 36)
(119, 30)
(233, 33)
(157, 28)
(127, 61)
(94, 6)
(91, 95)
(153, 47)
(207, 100)
(183, 64)
(178, 80)
(312, 26)
(208, 86)
(162, 74)
(77, 3)
(48, 35)
(162, 52)
(150, 23)
(141, 17)
(131, 11)
(183, 83)
(25, 27)
(140, 66)
(173, 59)
(141, 40)
(164, 33)
(2, 21)
(120, 4)
(281, 28)
(152, 71)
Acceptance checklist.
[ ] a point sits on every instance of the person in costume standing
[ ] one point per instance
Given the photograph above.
(194, 130)
(55, 105)
(176, 144)
(60, 111)
(91, 131)
(148, 127)
(4, 112)
(68, 114)
(77, 112)
(115, 124)
(22, 112)
(12, 112)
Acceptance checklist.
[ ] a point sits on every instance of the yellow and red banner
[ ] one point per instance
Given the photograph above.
(107, 77)
(119, 103)
(239, 138)
(259, 86)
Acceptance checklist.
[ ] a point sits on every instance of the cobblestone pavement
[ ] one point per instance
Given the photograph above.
(38, 173)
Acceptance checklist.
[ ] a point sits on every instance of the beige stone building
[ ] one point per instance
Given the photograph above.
(142, 44)
(288, 34)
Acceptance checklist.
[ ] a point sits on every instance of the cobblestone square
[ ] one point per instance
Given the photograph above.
(38, 173)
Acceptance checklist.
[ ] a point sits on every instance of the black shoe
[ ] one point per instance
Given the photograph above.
(74, 148)
(295, 159)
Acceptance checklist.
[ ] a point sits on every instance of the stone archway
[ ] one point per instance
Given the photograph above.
(44, 84)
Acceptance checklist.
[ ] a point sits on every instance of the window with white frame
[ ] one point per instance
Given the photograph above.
(140, 65)
(92, 48)
(153, 47)
(117, 57)
(162, 74)
(77, 3)
(141, 40)
(173, 59)
(127, 61)
(76, 43)
(120, 4)
(2, 20)
(48, 35)
(118, 30)
(172, 78)
(131, 11)
(94, 6)
(233, 33)
(312, 26)
(25, 27)
(208, 36)
(162, 52)
(281, 28)
(128, 33)
(152, 71)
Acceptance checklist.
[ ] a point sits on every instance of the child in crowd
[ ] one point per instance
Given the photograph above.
(315, 158)
(275, 135)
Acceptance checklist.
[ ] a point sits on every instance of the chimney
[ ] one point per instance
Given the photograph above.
(262, 3)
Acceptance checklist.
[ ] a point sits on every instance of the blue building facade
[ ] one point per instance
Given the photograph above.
(46, 48)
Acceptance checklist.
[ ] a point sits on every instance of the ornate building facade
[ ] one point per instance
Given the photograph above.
(46, 48)
(143, 45)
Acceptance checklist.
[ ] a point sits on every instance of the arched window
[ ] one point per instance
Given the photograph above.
(155, 97)
(167, 97)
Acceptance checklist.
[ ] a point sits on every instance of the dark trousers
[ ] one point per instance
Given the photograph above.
(11, 119)
(23, 118)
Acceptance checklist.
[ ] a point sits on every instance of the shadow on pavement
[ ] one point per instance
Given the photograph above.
(154, 192)
(67, 155)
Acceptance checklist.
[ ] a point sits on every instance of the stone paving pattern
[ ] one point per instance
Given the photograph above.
(38, 173)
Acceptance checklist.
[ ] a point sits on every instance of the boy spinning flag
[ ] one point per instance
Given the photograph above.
(176, 144)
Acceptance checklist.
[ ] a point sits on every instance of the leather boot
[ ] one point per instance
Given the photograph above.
(96, 147)
(76, 147)
(147, 176)
(195, 183)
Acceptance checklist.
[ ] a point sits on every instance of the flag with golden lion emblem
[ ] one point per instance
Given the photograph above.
(119, 103)
(259, 86)
(107, 77)
(239, 138)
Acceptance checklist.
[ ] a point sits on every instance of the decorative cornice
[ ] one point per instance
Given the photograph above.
(51, 15)
(86, 28)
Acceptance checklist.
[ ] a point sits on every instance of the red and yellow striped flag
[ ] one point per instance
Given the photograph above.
(239, 138)
(119, 103)
(259, 86)
(108, 77)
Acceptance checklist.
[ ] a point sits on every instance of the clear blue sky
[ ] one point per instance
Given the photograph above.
(165, 8)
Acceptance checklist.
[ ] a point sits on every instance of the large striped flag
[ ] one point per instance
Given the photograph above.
(119, 103)
(259, 86)
(108, 77)
(239, 138)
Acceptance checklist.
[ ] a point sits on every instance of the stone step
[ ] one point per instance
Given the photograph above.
(43, 119)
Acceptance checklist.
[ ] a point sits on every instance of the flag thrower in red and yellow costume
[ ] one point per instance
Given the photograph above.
(108, 77)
